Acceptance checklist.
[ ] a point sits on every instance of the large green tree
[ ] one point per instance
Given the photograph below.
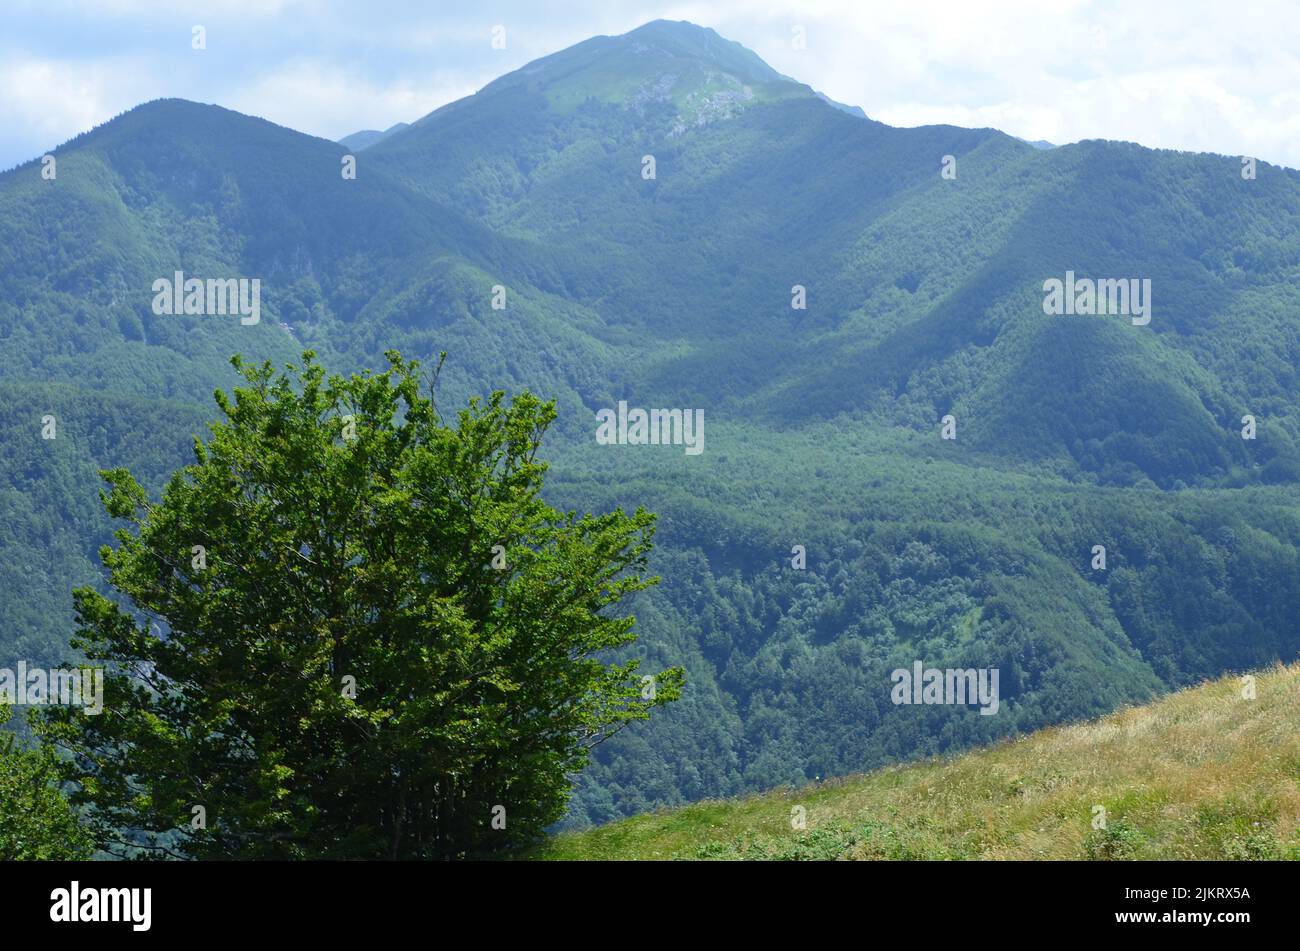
(355, 630)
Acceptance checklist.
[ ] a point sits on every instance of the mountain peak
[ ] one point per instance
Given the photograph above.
(689, 67)
(681, 38)
(684, 29)
(368, 137)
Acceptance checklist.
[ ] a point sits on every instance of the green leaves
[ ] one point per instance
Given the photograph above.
(344, 673)
(36, 821)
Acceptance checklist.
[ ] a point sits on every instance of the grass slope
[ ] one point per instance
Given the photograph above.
(1201, 774)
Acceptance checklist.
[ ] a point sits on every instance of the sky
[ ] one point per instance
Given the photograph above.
(1199, 76)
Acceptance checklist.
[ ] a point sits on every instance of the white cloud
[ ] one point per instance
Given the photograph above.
(45, 102)
(1187, 75)
(259, 9)
(329, 101)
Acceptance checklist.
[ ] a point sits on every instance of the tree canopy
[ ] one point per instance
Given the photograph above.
(352, 630)
(36, 821)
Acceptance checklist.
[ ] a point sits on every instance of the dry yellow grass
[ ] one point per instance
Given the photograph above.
(1203, 773)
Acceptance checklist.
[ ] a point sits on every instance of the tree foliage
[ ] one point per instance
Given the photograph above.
(36, 821)
(354, 631)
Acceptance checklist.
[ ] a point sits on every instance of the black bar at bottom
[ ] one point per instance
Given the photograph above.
(334, 900)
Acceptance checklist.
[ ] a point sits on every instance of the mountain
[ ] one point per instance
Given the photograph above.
(173, 185)
(368, 137)
(908, 274)
(646, 207)
(1201, 774)
(851, 110)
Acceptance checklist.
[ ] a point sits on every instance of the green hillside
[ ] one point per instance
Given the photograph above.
(1202, 774)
